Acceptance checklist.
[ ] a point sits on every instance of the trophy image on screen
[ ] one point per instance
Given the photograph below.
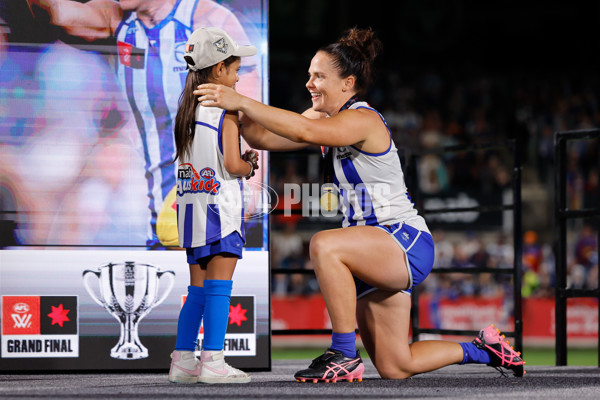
(129, 292)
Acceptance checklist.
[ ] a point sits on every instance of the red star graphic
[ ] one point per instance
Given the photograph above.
(237, 315)
(58, 315)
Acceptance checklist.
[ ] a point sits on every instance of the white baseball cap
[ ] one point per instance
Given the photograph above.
(209, 46)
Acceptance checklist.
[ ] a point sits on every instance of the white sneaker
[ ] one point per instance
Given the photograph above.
(185, 367)
(216, 370)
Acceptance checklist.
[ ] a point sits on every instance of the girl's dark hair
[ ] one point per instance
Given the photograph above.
(353, 54)
(185, 120)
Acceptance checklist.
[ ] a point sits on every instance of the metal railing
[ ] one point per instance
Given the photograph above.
(562, 215)
(515, 207)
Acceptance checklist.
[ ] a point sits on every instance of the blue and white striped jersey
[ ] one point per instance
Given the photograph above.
(372, 187)
(152, 73)
(210, 201)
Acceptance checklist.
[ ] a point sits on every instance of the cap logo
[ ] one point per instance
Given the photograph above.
(189, 48)
(221, 46)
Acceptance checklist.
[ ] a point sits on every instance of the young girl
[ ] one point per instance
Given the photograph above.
(209, 207)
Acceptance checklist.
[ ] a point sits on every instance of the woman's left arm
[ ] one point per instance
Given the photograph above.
(259, 138)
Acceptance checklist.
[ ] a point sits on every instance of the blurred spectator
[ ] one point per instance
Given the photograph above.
(586, 247)
(461, 257)
(433, 175)
(585, 262)
(575, 181)
(591, 190)
(501, 253)
(287, 252)
(479, 256)
(546, 273)
(444, 250)
(288, 174)
(532, 252)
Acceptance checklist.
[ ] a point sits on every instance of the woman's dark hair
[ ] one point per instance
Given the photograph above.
(353, 54)
(185, 120)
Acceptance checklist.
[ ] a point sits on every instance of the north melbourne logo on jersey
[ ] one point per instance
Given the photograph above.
(343, 153)
(191, 181)
(131, 56)
(221, 46)
(40, 326)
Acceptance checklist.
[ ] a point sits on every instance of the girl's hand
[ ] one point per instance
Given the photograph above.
(251, 156)
(213, 95)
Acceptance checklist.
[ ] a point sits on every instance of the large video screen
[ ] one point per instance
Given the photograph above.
(89, 91)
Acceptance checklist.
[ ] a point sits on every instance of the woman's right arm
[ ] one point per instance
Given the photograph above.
(259, 138)
(343, 129)
(91, 21)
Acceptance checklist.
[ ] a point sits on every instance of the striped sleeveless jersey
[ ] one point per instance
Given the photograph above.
(209, 199)
(372, 187)
(152, 73)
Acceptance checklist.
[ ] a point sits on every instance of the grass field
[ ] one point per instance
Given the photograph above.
(533, 356)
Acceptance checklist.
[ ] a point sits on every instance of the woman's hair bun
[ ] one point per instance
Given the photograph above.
(363, 40)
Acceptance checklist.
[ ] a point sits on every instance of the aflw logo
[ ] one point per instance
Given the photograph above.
(22, 321)
(39, 315)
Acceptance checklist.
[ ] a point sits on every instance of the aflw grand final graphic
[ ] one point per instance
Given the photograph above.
(143, 299)
(128, 292)
(40, 326)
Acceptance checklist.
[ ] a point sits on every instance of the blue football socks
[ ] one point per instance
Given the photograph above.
(474, 355)
(190, 318)
(344, 342)
(216, 314)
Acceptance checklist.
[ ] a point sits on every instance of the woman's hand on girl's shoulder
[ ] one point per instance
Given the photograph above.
(213, 95)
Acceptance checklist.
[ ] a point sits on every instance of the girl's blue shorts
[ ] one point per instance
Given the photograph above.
(232, 244)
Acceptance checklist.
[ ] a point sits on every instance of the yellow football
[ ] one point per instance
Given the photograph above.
(166, 223)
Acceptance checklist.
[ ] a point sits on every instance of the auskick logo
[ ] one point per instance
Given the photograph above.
(40, 326)
(191, 181)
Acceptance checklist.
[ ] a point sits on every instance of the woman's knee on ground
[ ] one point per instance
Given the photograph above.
(391, 370)
(394, 364)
